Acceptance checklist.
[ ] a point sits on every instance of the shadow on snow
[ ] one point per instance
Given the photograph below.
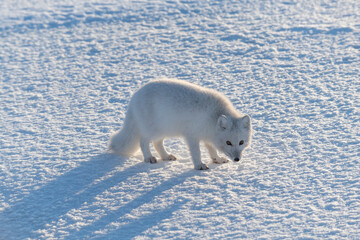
(79, 186)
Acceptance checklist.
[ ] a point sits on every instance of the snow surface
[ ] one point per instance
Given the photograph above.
(67, 72)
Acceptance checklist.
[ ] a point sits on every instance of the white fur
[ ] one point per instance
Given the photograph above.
(166, 108)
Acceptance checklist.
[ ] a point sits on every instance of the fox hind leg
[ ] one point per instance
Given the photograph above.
(145, 148)
(159, 146)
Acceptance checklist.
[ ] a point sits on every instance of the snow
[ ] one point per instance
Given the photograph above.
(68, 70)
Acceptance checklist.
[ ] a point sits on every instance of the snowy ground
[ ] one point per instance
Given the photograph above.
(68, 69)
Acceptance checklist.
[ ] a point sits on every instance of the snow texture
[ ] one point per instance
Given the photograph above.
(67, 72)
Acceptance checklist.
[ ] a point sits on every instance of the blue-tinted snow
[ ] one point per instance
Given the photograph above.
(68, 70)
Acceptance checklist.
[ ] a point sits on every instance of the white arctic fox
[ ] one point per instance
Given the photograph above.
(165, 108)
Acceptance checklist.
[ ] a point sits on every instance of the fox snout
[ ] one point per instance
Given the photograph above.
(237, 156)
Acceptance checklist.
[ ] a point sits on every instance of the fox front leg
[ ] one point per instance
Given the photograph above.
(214, 156)
(194, 147)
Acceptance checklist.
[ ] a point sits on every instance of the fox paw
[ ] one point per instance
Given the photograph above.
(202, 167)
(220, 160)
(170, 158)
(151, 160)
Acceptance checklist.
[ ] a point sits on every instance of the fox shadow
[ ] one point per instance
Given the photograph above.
(70, 191)
(66, 192)
(135, 227)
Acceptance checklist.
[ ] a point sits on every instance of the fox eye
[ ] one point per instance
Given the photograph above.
(241, 142)
(229, 143)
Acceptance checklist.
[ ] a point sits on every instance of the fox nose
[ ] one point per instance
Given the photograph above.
(236, 159)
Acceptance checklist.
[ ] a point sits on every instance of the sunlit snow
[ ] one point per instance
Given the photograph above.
(69, 68)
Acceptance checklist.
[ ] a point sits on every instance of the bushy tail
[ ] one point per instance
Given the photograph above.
(126, 141)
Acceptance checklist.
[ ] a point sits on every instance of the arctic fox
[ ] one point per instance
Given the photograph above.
(170, 107)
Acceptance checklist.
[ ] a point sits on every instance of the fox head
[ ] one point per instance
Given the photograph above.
(233, 135)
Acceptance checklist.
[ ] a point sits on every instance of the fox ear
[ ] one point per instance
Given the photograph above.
(246, 121)
(223, 122)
